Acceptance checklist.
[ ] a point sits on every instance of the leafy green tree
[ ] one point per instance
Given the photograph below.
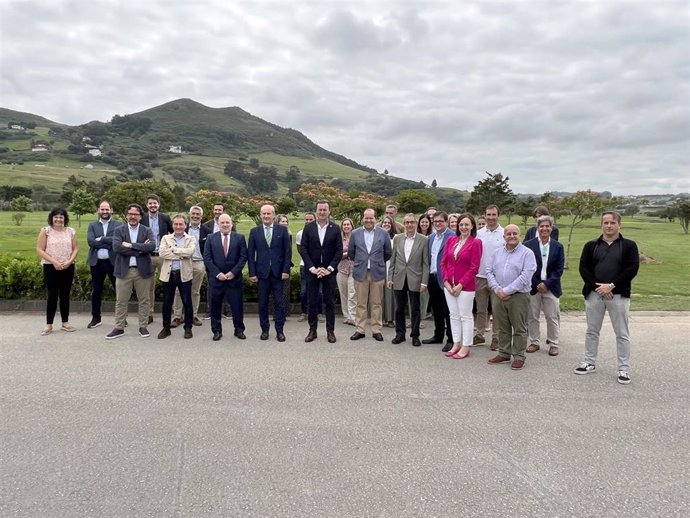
(10, 192)
(434, 183)
(83, 202)
(415, 200)
(263, 181)
(254, 162)
(136, 191)
(286, 205)
(21, 204)
(493, 190)
(681, 211)
(18, 218)
(582, 206)
(72, 184)
(524, 207)
(631, 210)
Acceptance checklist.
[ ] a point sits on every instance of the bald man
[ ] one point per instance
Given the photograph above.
(269, 259)
(509, 276)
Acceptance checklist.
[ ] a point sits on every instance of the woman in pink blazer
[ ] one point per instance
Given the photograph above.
(459, 267)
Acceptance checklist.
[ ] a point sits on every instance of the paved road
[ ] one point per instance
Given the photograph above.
(193, 428)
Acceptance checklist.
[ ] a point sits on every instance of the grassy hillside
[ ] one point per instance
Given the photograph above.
(137, 146)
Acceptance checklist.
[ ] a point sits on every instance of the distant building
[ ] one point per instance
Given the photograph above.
(38, 148)
(175, 149)
(17, 127)
(95, 152)
(88, 166)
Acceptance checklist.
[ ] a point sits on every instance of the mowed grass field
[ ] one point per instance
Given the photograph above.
(662, 283)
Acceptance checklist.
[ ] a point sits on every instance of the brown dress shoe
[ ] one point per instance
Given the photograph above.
(330, 336)
(553, 351)
(498, 359)
(196, 322)
(532, 348)
(175, 322)
(517, 364)
(311, 336)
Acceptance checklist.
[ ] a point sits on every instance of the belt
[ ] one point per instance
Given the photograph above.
(133, 267)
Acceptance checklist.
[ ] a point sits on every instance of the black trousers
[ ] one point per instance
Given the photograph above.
(401, 297)
(325, 285)
(103, 269)
(439, 308)
(58, 286)
(175, 283)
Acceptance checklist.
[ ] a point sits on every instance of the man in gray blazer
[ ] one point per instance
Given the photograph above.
(101, 257)
(133, 245)
(408, 275)
(369, 249)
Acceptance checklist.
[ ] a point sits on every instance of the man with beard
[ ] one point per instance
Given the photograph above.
(101, 257)
(160, 224)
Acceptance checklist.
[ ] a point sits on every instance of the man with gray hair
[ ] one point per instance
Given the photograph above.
(392, 211)
(199, 232)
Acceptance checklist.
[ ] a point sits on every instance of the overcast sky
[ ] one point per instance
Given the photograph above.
(559, 96)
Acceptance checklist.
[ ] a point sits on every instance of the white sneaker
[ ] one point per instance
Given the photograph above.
(585, 368)
(623, 377)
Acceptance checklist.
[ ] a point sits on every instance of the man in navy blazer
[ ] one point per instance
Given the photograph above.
(437, 299)
(101, 258)
(546, 286)
(270, 256)
(321, 250)
(369, 248)
(225, 254)
(133, 244)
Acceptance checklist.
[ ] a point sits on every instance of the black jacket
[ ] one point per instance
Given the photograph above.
(629, 264)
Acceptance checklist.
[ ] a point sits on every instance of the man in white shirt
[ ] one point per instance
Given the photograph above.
(492, 239)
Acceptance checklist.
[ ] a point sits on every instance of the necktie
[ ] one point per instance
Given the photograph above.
(225, 244)
(268, 235)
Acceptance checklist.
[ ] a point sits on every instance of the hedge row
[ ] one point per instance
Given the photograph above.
(22, 278)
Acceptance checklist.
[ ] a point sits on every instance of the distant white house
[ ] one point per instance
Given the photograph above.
(95, 152)
(175, 149)
(16, 127)
(38, 148)
(86, 139)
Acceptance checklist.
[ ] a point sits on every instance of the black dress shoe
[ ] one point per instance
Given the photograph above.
(264, 335)
(432, 340)
(188, 333)
(378, 337)
(311, 336)
(357, 335)
(217, 335)
(416, 342)
(165, 332)
(240, 335)
(447, 347)
(330, 336)
(398, 340)
(280, 337)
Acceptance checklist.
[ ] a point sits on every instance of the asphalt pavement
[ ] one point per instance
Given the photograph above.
(195, 428)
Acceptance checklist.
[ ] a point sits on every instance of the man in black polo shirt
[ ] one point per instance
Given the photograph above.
(608, 265)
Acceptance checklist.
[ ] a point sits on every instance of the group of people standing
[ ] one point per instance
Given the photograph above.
(462, 264)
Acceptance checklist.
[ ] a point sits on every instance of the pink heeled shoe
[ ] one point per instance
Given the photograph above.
(457, 356)
(450, 354)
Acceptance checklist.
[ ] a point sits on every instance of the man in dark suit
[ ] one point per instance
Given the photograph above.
(408, 275)
(546, 286)
(160, 224)
(101, 257)
(212, 224)
(369, 248)
(133, 244)
(199, 232)
(225, 255)
(270, 255)
(321, 249)
(437, 299)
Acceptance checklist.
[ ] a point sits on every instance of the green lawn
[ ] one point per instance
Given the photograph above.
(660, 285)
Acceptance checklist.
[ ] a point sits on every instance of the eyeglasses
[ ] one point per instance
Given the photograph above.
(439, 221)
(133, 214)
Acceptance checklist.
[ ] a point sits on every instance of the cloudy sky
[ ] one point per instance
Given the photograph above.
(558, 95)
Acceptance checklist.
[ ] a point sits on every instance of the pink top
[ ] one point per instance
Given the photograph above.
(345, 264)
(463, 268)
(58, 244)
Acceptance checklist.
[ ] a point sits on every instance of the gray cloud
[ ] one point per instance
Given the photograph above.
(558, 95)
